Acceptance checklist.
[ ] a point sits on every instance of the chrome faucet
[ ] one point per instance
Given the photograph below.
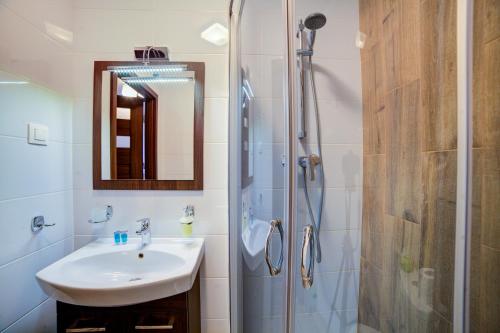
(144, 231)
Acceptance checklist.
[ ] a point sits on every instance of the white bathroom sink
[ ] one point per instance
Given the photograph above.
(104, 274)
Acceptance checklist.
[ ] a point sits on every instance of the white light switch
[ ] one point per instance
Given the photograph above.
(38, 134)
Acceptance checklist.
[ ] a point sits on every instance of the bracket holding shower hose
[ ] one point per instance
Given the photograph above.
(307, 252)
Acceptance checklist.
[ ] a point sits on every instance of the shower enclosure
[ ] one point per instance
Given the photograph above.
(364, 166)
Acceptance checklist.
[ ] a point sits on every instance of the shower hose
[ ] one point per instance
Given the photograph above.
(316, 221)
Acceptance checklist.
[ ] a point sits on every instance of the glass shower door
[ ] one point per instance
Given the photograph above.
(263, 221)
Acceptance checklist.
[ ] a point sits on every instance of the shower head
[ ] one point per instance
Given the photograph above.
(315, 21)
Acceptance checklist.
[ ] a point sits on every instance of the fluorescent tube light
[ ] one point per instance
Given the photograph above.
(148, 69)
(139, 80)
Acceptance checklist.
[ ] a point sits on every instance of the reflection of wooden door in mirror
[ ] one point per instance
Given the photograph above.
(129, 138)
(133, 135)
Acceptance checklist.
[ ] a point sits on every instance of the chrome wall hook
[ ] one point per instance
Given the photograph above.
(38, 222)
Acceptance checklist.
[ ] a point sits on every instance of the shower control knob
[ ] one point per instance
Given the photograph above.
(310, 162)
(314, 160)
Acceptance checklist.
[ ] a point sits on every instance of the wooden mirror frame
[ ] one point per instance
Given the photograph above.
(149, 184)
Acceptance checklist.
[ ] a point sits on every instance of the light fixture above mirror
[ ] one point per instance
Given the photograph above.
(151, 71)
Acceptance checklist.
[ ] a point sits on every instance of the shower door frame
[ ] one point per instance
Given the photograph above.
(291, 74)
(234, 173)
(236, 8)
(461, 294)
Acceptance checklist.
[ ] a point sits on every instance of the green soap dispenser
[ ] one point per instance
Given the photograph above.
(187, 221)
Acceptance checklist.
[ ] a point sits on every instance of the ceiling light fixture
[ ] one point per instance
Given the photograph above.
(216, 34)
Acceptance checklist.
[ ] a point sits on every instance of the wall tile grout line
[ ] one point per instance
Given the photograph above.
(48, 299)
(16, 137)
(37, 251)
(37, 195)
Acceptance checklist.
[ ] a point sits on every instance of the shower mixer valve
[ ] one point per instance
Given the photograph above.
(310, 161)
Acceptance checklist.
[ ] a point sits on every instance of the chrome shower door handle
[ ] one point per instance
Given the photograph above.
(274, 269)
(307, 251)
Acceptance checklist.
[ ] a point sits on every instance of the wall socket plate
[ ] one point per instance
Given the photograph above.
(38, 134)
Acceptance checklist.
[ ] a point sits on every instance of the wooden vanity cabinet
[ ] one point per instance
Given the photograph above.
(176, 314)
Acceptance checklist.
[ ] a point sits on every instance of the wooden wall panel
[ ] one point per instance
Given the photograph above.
(392, 51)
(403, 158)
(438, 226)
(489, 20)
(409, 128)
(486, 115)
(409, 30)
(485, 244)
(373, 103)
(489, 302)
(373, 211)
(438, 76)
(369, 295)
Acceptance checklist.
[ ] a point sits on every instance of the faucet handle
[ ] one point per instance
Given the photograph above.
(145, 222)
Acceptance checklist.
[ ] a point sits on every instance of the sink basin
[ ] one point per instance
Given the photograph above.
(104, 274)
(254, 240)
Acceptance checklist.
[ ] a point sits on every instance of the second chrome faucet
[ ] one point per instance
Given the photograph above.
(144, 231)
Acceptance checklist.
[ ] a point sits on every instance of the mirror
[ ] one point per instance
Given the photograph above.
(148, 120)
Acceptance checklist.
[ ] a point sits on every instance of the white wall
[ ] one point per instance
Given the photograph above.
(53, 44)
(34, 180)
(331, 304)
(109, 30)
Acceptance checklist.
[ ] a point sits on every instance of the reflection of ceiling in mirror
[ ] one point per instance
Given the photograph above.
(124, 89)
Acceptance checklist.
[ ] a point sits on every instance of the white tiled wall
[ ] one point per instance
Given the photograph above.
(53, 43)
(34, 180)
(109, 30)
(29, 46)
(331, 304)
